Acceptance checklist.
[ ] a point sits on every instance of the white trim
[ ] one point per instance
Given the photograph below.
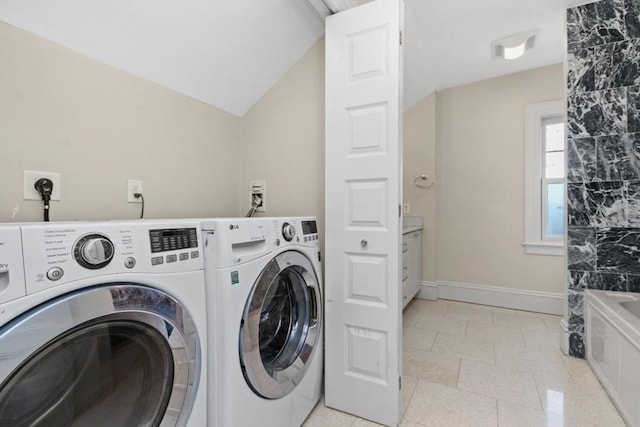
(544, 248)
(519, 299)
(428, 290)
(564, 336)
(534, 113)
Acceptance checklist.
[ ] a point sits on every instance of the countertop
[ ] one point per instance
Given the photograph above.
(411, 223)
(408, 229)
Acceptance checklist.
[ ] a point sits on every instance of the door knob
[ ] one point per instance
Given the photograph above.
(363, 242)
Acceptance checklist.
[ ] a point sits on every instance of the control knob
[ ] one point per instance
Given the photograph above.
(93, 251)
(288, 231)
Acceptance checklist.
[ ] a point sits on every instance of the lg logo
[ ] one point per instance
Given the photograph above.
(233, 227)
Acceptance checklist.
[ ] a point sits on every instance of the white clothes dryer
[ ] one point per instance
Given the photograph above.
(102, 324)
(264, 290)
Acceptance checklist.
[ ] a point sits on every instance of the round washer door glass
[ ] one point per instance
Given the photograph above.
(111, 356)
(280, 325)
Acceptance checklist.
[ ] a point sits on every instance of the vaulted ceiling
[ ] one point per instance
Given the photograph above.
(228, 53)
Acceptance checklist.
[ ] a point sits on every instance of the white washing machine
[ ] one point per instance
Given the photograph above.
(102, 324)
(264, 287)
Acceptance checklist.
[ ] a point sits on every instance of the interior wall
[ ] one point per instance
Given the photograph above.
(419, 157)
(284, 141)
(603, 121)
(480, 182)
(64, 112)
(97, 126)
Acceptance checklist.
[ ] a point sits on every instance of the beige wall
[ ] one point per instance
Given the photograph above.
(284, 141)
(63, 112)
(480, 157)
(419, 157)
(97, 126)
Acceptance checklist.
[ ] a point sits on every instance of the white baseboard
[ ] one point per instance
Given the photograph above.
(428, 290)
(519, 299)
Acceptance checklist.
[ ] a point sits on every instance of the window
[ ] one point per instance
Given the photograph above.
(544, 178)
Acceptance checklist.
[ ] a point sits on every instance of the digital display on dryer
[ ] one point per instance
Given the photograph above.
(309, 227)
(173, 239)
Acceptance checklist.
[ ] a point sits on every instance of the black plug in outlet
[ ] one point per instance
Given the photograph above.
(44, 186)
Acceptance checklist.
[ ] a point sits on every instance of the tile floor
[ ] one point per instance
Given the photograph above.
(474, 365)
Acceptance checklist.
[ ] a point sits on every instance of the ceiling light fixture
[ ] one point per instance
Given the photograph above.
(513, 47)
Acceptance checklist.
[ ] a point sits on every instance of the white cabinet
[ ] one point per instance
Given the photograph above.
(411, 265)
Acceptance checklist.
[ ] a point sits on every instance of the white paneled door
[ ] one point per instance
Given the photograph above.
(363, 192)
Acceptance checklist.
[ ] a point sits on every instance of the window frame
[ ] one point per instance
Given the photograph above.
(535, 205)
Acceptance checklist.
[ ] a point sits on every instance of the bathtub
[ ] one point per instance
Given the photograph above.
(612, 340)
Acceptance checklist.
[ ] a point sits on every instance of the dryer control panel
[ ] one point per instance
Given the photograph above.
(240, 240)
(57, 253)
(309, 230)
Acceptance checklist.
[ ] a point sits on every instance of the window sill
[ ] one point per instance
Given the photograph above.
(544, 248)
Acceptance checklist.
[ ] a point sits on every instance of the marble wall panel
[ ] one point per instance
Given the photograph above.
(597, 204)
(603, 154)
(633, 283)
(618, 250)
(597, 113)
(618, 157)
(581, 70)
(616, 64)
(633, 203)
(632, 18)
(581, 249)
(581, 159)
(633, 109)
(580, 280)
(575, 322)
(595, 24)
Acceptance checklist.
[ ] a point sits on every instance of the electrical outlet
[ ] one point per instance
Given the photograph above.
(258, 188)
(134, 186)
(406, 208)
(29, 191)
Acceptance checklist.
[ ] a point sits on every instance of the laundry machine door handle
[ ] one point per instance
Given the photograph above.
(314, 307)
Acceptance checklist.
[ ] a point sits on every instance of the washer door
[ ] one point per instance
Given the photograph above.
(116, 355)
(280, 326)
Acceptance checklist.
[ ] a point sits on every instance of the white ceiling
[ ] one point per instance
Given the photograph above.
(448, 42)
(228, 53)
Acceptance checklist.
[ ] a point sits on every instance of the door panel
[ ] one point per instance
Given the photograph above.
(363, 192)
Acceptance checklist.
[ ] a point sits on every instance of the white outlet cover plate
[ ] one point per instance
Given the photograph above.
(257, 186)
(29, 192)
(131, 185)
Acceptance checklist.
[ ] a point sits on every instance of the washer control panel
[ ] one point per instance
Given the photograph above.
(57, 253)
(183, 240)
(93, 251)
(296, 231)
(164, 240)
(12, 285)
